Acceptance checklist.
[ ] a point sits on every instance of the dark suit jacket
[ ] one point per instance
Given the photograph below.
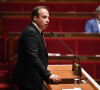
(92, 26)
(31, 67)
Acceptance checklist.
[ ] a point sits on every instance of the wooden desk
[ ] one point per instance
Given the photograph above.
(69, 86)
(66, 73)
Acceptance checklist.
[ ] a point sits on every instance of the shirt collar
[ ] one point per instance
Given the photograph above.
(98, 21)
(37, 27)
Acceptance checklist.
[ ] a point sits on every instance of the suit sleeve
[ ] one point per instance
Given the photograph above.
(88, 27)
(31, 43)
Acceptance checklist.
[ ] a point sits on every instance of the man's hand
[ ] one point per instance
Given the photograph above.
(55, 78)
(49, 69)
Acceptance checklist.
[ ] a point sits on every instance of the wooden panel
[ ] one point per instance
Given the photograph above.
(82, 58)
(62, 35)
(24, 0)
(72, 0)
(75, 35)
(52, 14)
(72, 14)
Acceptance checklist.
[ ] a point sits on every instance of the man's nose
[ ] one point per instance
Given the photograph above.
(47, 20)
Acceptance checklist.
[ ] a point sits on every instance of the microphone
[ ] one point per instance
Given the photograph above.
(64, 44)
(75, 56)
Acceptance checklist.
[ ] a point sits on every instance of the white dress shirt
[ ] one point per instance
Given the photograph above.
(98, 24)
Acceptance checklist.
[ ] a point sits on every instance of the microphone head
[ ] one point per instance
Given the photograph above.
(52, 33)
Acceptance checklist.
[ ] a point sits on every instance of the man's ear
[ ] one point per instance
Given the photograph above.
(35, 18)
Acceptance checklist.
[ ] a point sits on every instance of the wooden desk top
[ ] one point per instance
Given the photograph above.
(67, 76)
(63, 71)
(69, 86)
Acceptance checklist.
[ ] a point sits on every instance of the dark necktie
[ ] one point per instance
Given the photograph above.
(43, 38)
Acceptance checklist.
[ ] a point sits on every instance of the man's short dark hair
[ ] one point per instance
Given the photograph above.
(98, 9)
(35, 11)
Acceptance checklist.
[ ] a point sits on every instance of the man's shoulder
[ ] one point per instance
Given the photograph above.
(28, 28)
(92, 20)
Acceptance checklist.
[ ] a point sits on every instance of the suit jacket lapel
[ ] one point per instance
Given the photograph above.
(38, 34)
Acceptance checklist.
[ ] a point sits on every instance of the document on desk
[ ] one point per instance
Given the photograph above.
(72, 89)
(67, 89)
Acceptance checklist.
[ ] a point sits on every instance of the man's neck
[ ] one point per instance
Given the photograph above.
(37, 27)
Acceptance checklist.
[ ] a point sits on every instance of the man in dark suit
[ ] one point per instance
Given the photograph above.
(31, 67)
(93, 25)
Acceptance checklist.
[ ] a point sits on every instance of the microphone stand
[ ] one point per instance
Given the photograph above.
(75, 67)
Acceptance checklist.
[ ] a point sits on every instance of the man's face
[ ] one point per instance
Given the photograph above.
(98, 15)
(43, 19)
